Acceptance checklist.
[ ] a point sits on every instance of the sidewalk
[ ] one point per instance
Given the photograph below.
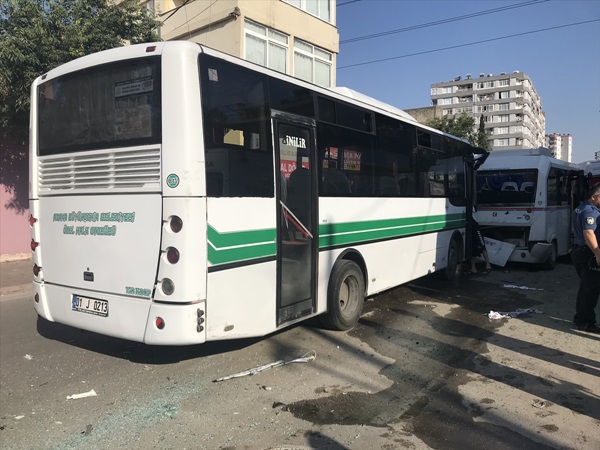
(15, 277)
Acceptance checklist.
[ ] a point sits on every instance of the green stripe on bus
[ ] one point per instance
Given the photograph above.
(357, 232)
(234, 246)
(231, 247)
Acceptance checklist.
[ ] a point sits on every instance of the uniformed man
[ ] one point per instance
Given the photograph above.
(586, 259)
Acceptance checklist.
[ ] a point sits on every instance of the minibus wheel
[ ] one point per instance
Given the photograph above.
(551, 261)
(345, 296)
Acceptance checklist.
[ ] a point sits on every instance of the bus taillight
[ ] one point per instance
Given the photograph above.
(175, 223)
(172, 255)
(36, 297)
(34, 245)
(159, 322)
(167, 286)
(36, 270)
(32, 220)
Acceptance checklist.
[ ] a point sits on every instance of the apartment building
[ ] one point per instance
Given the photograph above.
(561, 146)
(510, 106)
(296, 37)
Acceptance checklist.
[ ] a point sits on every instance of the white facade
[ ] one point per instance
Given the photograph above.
(561, 146)
(510, 106)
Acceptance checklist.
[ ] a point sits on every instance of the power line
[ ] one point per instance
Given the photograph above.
(177, 9)
(442, 21)
(187, 22)
(347, 3)
(468, 44)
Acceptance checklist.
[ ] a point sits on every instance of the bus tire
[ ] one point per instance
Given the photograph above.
(449, 272)
(345, 296)
(551, 261)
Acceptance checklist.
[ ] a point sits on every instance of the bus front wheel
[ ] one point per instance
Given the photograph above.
(449, 272)
(345, 296)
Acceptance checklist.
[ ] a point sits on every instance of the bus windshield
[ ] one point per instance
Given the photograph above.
(506, 187)
(109, 106)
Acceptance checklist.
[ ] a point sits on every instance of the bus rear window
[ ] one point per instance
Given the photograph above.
(107, 106)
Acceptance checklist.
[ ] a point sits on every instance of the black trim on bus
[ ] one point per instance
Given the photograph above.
(235, 265)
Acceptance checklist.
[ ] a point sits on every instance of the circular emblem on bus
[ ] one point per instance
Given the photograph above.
(172, 181)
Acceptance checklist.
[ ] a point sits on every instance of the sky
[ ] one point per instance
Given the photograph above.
(563, 62)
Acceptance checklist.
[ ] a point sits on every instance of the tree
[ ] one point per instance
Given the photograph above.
(460, 126)
(482, 140)
(38, 35)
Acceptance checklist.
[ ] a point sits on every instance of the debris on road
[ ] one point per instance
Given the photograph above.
(302, 359)
(29, 357)
(91, 393)
(523, 288)
(513, 314)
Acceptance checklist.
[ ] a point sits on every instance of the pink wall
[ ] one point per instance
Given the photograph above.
(15, 234)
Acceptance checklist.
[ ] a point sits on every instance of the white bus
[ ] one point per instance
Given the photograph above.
(591, 169)
(181, 195)
(525, 198)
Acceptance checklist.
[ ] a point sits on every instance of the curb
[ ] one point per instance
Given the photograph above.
(18, 289)
(14, 257)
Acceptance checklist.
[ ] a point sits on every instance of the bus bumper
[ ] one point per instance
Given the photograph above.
(134, 319)
(183, 324)
(539, 254)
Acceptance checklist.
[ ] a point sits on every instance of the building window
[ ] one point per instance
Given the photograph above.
(503, 82)
(445, 101)
(312, 63)
(265, 46)
(501, 130)
(504, 94)
(502, 142)
(503, 107)
(320, 8)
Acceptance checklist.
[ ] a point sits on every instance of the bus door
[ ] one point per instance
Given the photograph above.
(296, 196)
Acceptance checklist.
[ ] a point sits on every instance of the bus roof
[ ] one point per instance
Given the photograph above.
(157, 48)
(541, 151)
(524, 159)
(591, 167)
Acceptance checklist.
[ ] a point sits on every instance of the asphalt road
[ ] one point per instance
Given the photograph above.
(425, 368)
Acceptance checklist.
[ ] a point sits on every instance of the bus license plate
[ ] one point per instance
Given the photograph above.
(90, 306)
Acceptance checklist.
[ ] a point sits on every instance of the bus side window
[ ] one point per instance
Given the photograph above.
(335, 183)
(348, 152)
(236, 130)
(395, 157)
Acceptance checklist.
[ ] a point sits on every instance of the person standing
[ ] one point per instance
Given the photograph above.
(586, 259)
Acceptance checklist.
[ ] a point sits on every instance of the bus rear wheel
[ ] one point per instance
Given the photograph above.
(345, 296)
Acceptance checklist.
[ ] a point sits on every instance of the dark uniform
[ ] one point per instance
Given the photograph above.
(585, 217)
